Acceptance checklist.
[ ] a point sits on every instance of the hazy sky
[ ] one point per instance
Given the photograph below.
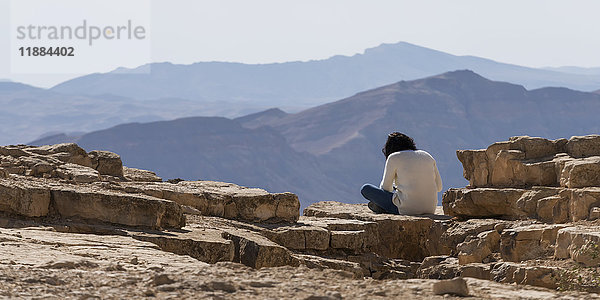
(532, 33)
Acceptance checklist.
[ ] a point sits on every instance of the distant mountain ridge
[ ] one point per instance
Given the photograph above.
(336, 147)
(231, 90)
(297, 85)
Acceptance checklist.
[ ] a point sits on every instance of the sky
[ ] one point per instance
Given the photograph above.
(534, 33)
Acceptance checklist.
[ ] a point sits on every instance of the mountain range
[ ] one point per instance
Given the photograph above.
(299, 85)
(170, 91)
(327, 152)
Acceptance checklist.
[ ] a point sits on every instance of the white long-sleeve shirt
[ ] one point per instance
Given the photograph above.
(416, 179)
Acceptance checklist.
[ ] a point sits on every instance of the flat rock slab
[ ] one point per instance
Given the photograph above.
(546, 204)
(118, 208)
(36, 197)
(392, 236)
(225, 200)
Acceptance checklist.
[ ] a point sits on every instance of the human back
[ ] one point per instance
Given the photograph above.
(415, 179)
(410, 180)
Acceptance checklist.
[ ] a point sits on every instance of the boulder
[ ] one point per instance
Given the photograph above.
(580, 173)
(584, 146)
(439, 267)
(537, 147)
(457, 286)
(475, 166)
(107, 163)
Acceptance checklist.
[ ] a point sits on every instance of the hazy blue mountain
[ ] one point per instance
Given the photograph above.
(295, 85)
(29, 112)
(261, 118)
(329, 151)
(575, 70)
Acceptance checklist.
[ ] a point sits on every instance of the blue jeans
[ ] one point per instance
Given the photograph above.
(380, 197)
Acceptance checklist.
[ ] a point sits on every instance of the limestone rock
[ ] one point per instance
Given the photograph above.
(483, 203)
(584, 146)
(25, 198)
(531, 161)
(107, 163)
(317, 262)
(579, 173)
(119, 266)
(69, 153)
(205, 245)
(547, 204)
(536, 147)
(579, 243)
(478, 248)
(458, 232)
(419, 236)
(300, 237)
(132, 210)
(582, 201)
(457, 286)
(133, 174)
(528, 242)
(223, 199)
(439, 267)
(256, 251)
(77, 173)
(542, 276)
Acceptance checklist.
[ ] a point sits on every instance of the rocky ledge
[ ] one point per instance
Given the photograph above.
(78, 225)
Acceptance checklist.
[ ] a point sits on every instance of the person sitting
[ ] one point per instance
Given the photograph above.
(410, 183)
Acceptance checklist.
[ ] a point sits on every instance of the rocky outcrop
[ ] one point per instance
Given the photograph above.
(64, 180)
(76, 205)
(550, 192)
(552, 181)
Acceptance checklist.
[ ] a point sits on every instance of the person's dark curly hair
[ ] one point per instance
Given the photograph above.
(397, 141)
